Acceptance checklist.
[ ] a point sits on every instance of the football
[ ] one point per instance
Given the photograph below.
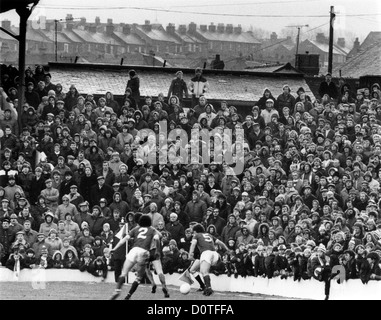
(185, 288)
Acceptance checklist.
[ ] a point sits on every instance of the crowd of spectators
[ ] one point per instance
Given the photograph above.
(78, 170)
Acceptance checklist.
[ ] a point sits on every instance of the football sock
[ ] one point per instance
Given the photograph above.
(120, 282)
(207, 281)
(162, 280)
(198, 278)
(133, 288)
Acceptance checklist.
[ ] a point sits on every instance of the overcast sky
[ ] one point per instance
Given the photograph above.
(313, 12)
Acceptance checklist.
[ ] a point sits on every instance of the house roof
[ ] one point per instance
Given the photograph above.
(367, 62)
(32, 35)
(189, 39)
(87, 36)
(129, 38)
(157, 33)
(51, 36)
(72, 36)
(243, 37)
(325, 47)
(6, 36)
(223, 85)
(371, 38)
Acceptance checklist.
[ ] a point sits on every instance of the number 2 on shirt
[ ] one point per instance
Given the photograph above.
(142, 232)
(207, 237)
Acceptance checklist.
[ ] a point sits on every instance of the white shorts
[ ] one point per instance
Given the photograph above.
(138, 255)
(210, 257)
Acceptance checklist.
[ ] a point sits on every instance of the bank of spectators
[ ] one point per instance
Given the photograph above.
(306, 200)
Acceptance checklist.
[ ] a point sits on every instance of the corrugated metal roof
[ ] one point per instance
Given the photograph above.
(130, 38)
(367, 62)
(224, 87)
(243, 37)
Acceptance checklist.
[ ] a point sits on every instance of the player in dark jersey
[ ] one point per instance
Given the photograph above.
(142, 236)
(209, 256)
(155, 255)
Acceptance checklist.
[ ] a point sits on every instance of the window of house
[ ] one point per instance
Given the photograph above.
(66, 47)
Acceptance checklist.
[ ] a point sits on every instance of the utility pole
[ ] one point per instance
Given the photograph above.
(297, 41)
(330, 52)
(55, 38)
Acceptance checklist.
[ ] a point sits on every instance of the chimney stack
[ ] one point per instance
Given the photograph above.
(171, 28)
(182, 28)
(212, 27)
(109, 27)
(126, 29)
(6, 24)
(147, 25)
(273, 36)
(341, 42)
(238, 29)
(221, 28)
(203, 27)
(192, 27)
(92, 28)
(320, 37)
(97, 21)
(229, 28)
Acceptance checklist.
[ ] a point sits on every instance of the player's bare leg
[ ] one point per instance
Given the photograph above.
(204, 269)
(159, 270)
(140, 274)
(150, 278)
(126, 268)
(193, 270)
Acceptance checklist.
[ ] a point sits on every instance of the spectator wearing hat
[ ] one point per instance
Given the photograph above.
(133, 86)
(178, 88)
(195, 208)
(5, 209)
(106, 141)
(268, 113)
(51, 195)
(75, 197)
(65, 207)
(66, 184)
(230, 230)
(215, 219)
(119, 204)
(101, 190)
(41, 246)
(7, 237)
(14, 225)
(48, 224)
(97, 220)
(328, 87)
(286, 99)
(87, 181)
(83, 214)
(11, 189)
